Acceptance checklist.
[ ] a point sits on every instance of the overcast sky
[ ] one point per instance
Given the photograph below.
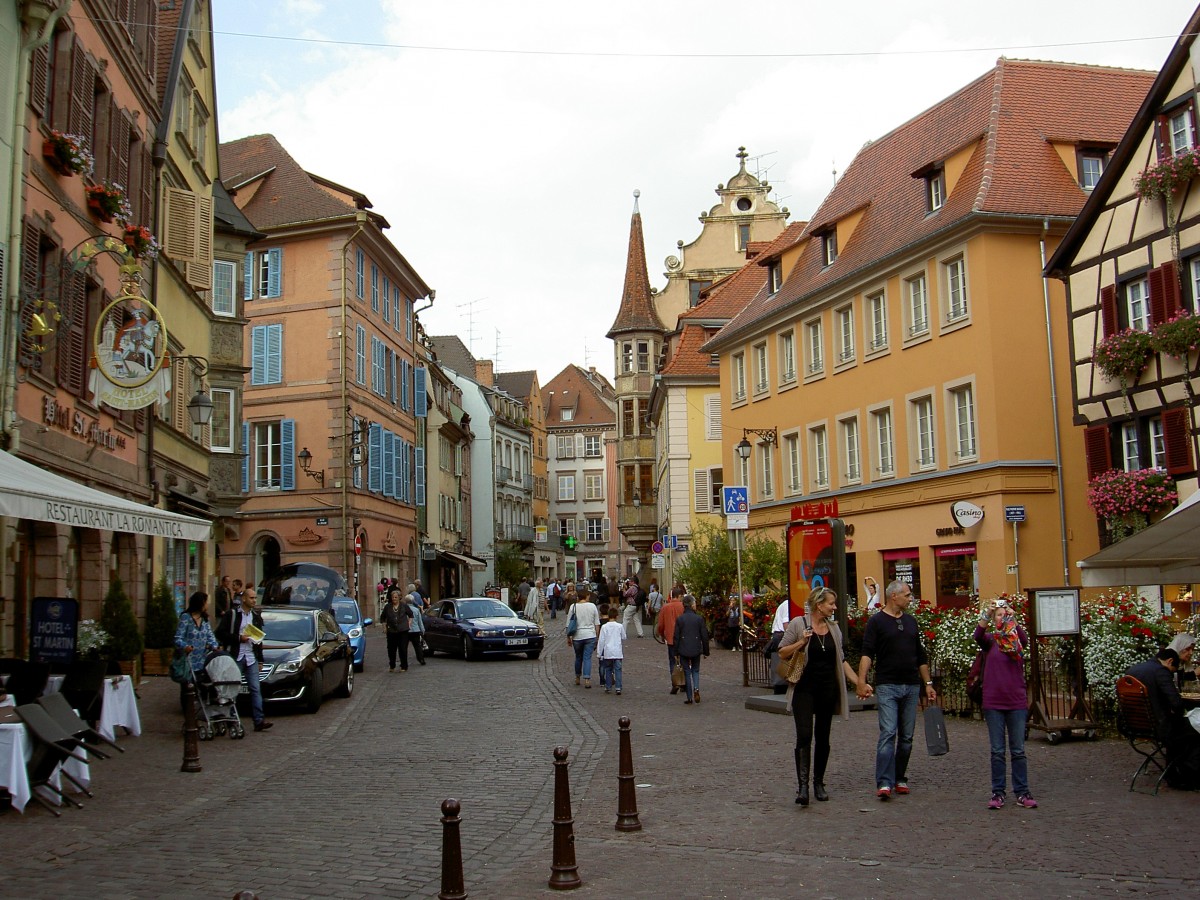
(503, 141)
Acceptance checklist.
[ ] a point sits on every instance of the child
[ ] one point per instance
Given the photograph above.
(610, 650)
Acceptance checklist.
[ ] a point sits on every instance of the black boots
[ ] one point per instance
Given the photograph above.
(802, 765)
(819, 790)
(819, 764)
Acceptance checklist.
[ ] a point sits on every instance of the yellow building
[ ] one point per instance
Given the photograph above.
(907, 360)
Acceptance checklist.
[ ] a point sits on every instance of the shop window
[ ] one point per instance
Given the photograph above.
(903, 565)
(956, 567)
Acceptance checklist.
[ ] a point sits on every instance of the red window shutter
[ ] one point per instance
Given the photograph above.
(149, 15)
(1158, 300)
(147, 182)
(83, 91)
(1163, 127)
(71, 349)
(31, 290)
(1108, 309)
(1177, 441)
(118, 152)
(39, 80)
(1171, 290)
(1098, 450)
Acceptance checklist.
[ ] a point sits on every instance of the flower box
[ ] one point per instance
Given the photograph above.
(1123, 356)
(1127, 500)
(107, 202)
(1177, 337)
(67, 154)
(1167, 177)
(141, 242)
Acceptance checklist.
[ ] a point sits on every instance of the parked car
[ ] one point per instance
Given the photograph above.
(473, 626)
(306, 584)
(349, 618)
(305, 657)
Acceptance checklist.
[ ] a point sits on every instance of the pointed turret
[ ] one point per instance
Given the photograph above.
(637, 311)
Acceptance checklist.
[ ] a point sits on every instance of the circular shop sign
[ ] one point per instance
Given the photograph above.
(130, 341)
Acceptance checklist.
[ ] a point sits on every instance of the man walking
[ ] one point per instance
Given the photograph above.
(633, 597)
(231, 632)
(665, 627)
(901, 668)
(224, 598)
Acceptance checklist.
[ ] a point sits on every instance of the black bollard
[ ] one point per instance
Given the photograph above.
(452, 873)
(564, 873)
(627, 814)
(191, 740)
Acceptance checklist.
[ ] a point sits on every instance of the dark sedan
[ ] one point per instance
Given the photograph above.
(473, 626)
(305, 657)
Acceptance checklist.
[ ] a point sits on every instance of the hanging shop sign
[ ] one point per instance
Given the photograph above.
(965, 513)
(129, 349)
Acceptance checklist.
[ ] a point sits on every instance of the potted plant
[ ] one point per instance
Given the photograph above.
(1165, 178)
(1126, 500)
(1123, 356)
(67, 154)
(161, 622)
(141, 241)
(117, 618)
(1178, 337)
(90, 640)
(107, 201)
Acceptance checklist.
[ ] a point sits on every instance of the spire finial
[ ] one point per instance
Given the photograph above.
(636, 194)
(742, 155)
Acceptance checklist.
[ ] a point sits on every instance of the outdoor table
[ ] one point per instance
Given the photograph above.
(1191, 699)
(16, 749)
(119, 708)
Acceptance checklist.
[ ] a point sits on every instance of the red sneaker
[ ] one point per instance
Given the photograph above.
(902, 787)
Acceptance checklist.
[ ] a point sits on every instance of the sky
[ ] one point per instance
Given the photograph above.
(503, 141)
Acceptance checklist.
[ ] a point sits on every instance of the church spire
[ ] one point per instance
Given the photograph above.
(637, 311)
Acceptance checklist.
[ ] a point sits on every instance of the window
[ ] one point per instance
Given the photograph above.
(378, 367)
(374, 288)
(566, 446)
(360, 361)
(387, 307)
(819, 442)
(766, 470)
(787, 356)
(706, 485)
(1181, 129)
(877, 316)
(935, 190)
(695, 287)
(845, 334)
(885, 452)
(566, 487)
(627, 357)
(814, 347)
(922, 410)
(1130, 453)
(850, 455)
(567, 413)
(743, 235)
(1143, 445)
(263, 275)
(791, 459)
(918, 306)
(593, 486)
(1158, 446)
(738, 363)
(266, 354)
(273, 455)
(595, 529)
(1137, 304)
(956, 289)
(591, 445)
(760, 369)
(775, 277)
(643, 356)
(963, 402)
(360, 273)
(712, 417)
(224, 282)
(1091, 167)
(829, 247)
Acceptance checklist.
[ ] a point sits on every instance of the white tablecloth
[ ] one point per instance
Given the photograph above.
(53, 684)
(16, 749)
(120, 708)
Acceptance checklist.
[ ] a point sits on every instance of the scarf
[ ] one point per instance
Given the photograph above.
(1007, 638)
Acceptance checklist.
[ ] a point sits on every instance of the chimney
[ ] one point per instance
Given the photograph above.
(484, 374)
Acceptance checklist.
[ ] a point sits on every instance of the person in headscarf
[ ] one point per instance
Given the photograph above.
(1005, 704)
(1184, 646)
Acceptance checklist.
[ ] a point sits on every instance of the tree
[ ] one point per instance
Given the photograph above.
(764, 565)
(710, 566)
(511, 567)
(117, 618)
(161, 620)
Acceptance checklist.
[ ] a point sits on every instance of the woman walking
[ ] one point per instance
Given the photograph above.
(586, 617)
(691, 640)
(416, 627)
(194, 636)
(1005, 703)
(396, 617)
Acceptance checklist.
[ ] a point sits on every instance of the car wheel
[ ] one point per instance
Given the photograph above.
(316, 692)
(469, 651)
(347, 687)
(533, 654)
(358, 667)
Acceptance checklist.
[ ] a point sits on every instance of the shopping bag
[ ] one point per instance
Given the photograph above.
(936, 739)
(678, 679)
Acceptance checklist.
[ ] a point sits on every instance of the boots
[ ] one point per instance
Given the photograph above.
(819, 791)
(819, 775)
(802, 765)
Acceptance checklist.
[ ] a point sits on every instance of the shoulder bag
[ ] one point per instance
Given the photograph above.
(572, 623)
(791, 669)
(181, 668)
(975, 678)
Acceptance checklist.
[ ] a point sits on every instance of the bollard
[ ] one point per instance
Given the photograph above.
(452, 874)
(191, 741)
(627, 814)
(565, 874)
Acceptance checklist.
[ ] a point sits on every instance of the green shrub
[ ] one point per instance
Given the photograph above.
(118, 620)
(160, 617)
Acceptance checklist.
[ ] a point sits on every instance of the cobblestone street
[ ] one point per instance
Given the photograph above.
(346, 803)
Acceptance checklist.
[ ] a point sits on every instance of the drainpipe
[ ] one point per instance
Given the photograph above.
(1058, 460)
(361, 218)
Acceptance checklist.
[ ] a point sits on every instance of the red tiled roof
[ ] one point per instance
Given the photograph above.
(729, 296)
(517, 384)
(637, 312)
(1011, 114)
(687, 359)
(590, 396)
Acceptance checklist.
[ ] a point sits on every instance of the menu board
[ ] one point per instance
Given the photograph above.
(1056, 611)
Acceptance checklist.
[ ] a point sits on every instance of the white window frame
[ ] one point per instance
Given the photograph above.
(829, 247)
(775, 276)
(935, 189)
(1086, 181)
(814, 348)
(762, 377)
(1131, 457)
(793, 455)
(957, 302)
(876, 313)
(787, 356)
(566, 487)
(273, 445)
(884, 438)
(1182, 129)
(224, 304)
(845, 334)
(924, 432)
(818, 438)
(964, 434)
(916, 291)
(1136, 294)
(766, 470)
(591, 446)
(1158, 443)
(737, 364)
(593, 485)
(851, 450)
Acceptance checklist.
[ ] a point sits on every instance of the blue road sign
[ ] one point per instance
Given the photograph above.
(735, 500)
(670, 541)
(1014, 513)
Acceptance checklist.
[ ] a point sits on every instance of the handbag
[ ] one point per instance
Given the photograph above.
(181, 668)
(936, 739)
(791, 669)
(975, 678)
(678, 679)
(572, 624)
(773, 644)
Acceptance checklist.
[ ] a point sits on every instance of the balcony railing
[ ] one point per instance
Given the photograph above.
(633, 518)
(503, 474)
(524, 533)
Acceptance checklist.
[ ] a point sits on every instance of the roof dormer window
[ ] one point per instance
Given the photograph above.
(935, 190)
(775, 276)
(829, 247)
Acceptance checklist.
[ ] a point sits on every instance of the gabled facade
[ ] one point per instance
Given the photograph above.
(929, 349)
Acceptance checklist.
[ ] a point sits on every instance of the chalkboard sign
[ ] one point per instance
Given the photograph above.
(52, 630)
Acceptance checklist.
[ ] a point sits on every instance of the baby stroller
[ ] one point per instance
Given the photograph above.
(217, 687)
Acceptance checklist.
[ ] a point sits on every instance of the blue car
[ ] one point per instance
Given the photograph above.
(345, 611)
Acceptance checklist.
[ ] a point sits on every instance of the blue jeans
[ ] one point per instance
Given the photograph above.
(691, 674)
(250, 671)
(610, 673)
(583, 656)
(897, 705)
(671, 660)
(1013, 721)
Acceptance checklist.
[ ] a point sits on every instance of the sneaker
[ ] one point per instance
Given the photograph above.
(902, 787)
(618, 692)
(697, 696)
(606, 690)
(1027, 801)
(884, 793)
(997, 801)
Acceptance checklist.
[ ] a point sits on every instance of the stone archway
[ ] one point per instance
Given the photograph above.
(267, 556)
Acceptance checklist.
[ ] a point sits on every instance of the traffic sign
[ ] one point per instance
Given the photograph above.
(670, 541)
(658, 561)
(681, 548)
(656, 547)
(358, 544)
(1014, 513)
(735, 500)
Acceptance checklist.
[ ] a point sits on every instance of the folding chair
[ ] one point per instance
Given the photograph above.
(83, 686)
(51, 748)
(60, 711)
(1138, 724)
(27, 681)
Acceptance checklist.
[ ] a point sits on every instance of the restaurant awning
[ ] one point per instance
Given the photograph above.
(1168, 552)
(469, 561)
(31, 492)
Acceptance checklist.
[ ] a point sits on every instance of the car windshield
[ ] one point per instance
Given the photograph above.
(287, 629)
(481, 609)
(346, 612)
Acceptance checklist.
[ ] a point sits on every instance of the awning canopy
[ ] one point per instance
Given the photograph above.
(1168, 552)
(30, 492)
(468, 561)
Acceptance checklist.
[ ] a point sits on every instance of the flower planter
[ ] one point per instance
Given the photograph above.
(132, 668)
(157, 661)
(97, 209)
(53, 160)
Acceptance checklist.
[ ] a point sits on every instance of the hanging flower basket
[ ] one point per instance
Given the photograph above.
(1127, 500)
(1123, 356)
(1178, 337)
(67, 154)
(141, 242)
(1168, 176)
(107, 201)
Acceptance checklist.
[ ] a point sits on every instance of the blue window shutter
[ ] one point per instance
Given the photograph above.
(360, 273)
(404, 384)
(408, 320)
(402, 472)
(248, 276)
(274, 354)
(287, 455)
(360, 368)
(419, 453)
(374, 288)
(358, 477)
(389, 464)
(275, 272)
(420, 408)
(396, 308)
(258, 354)
(375, 458)
(392, 369)
(387, 307)
(245, 457)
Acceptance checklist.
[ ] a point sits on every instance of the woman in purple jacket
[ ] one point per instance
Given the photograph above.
(1005, 704)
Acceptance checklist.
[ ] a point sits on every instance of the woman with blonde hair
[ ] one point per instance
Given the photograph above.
(821, 690)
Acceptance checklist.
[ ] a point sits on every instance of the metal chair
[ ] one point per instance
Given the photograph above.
(83, 686)
(51, 748)
(60, 711)
(1138, 724)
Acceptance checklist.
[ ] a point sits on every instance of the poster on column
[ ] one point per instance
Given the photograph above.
(816, 554)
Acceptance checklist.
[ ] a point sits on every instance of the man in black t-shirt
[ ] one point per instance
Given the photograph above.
(892, 642)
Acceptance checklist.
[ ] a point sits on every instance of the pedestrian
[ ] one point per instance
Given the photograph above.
(611, 651)
(396, 616)
(821, 691)
(587, 625)
(236, 597)
(522, 595)
(1182, 740)
(194, 636)
(665, 629)
(247, 651)
(224, 596)
(1005, 700)
(654, 599)
(602, 589)
(554, 598)
(733, 624)
(422, 593)
(416, 627)
(691, 640)
(534, 603)
(891, 641)
(632, 610)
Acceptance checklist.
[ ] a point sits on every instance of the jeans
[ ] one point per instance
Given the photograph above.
(250, 671)
(691, 674)
(671, 660)
(1013, 721)
(583, 656)
(417, 638)
(632, 614)
(897, 705)
(610, 674)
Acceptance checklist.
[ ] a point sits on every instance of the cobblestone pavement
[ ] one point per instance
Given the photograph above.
(346, 803)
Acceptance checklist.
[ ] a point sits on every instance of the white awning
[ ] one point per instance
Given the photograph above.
(468, 561)
(1168, 552)
(31, 492)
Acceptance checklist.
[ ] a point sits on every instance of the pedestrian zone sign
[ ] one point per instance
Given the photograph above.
(735, 500)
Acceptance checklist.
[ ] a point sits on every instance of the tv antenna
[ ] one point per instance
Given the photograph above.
(469, 306)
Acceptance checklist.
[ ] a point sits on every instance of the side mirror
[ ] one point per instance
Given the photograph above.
(327, 636)
(449, 617)
(368, 622)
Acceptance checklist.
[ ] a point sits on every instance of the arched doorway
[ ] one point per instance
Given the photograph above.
(266, 560)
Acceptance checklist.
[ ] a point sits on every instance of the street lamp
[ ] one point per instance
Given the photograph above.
(200, 407)
(305, 459)
(637, 497)
(743, 450)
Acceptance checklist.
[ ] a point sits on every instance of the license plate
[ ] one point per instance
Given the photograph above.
(516, 642)
(244, 689)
